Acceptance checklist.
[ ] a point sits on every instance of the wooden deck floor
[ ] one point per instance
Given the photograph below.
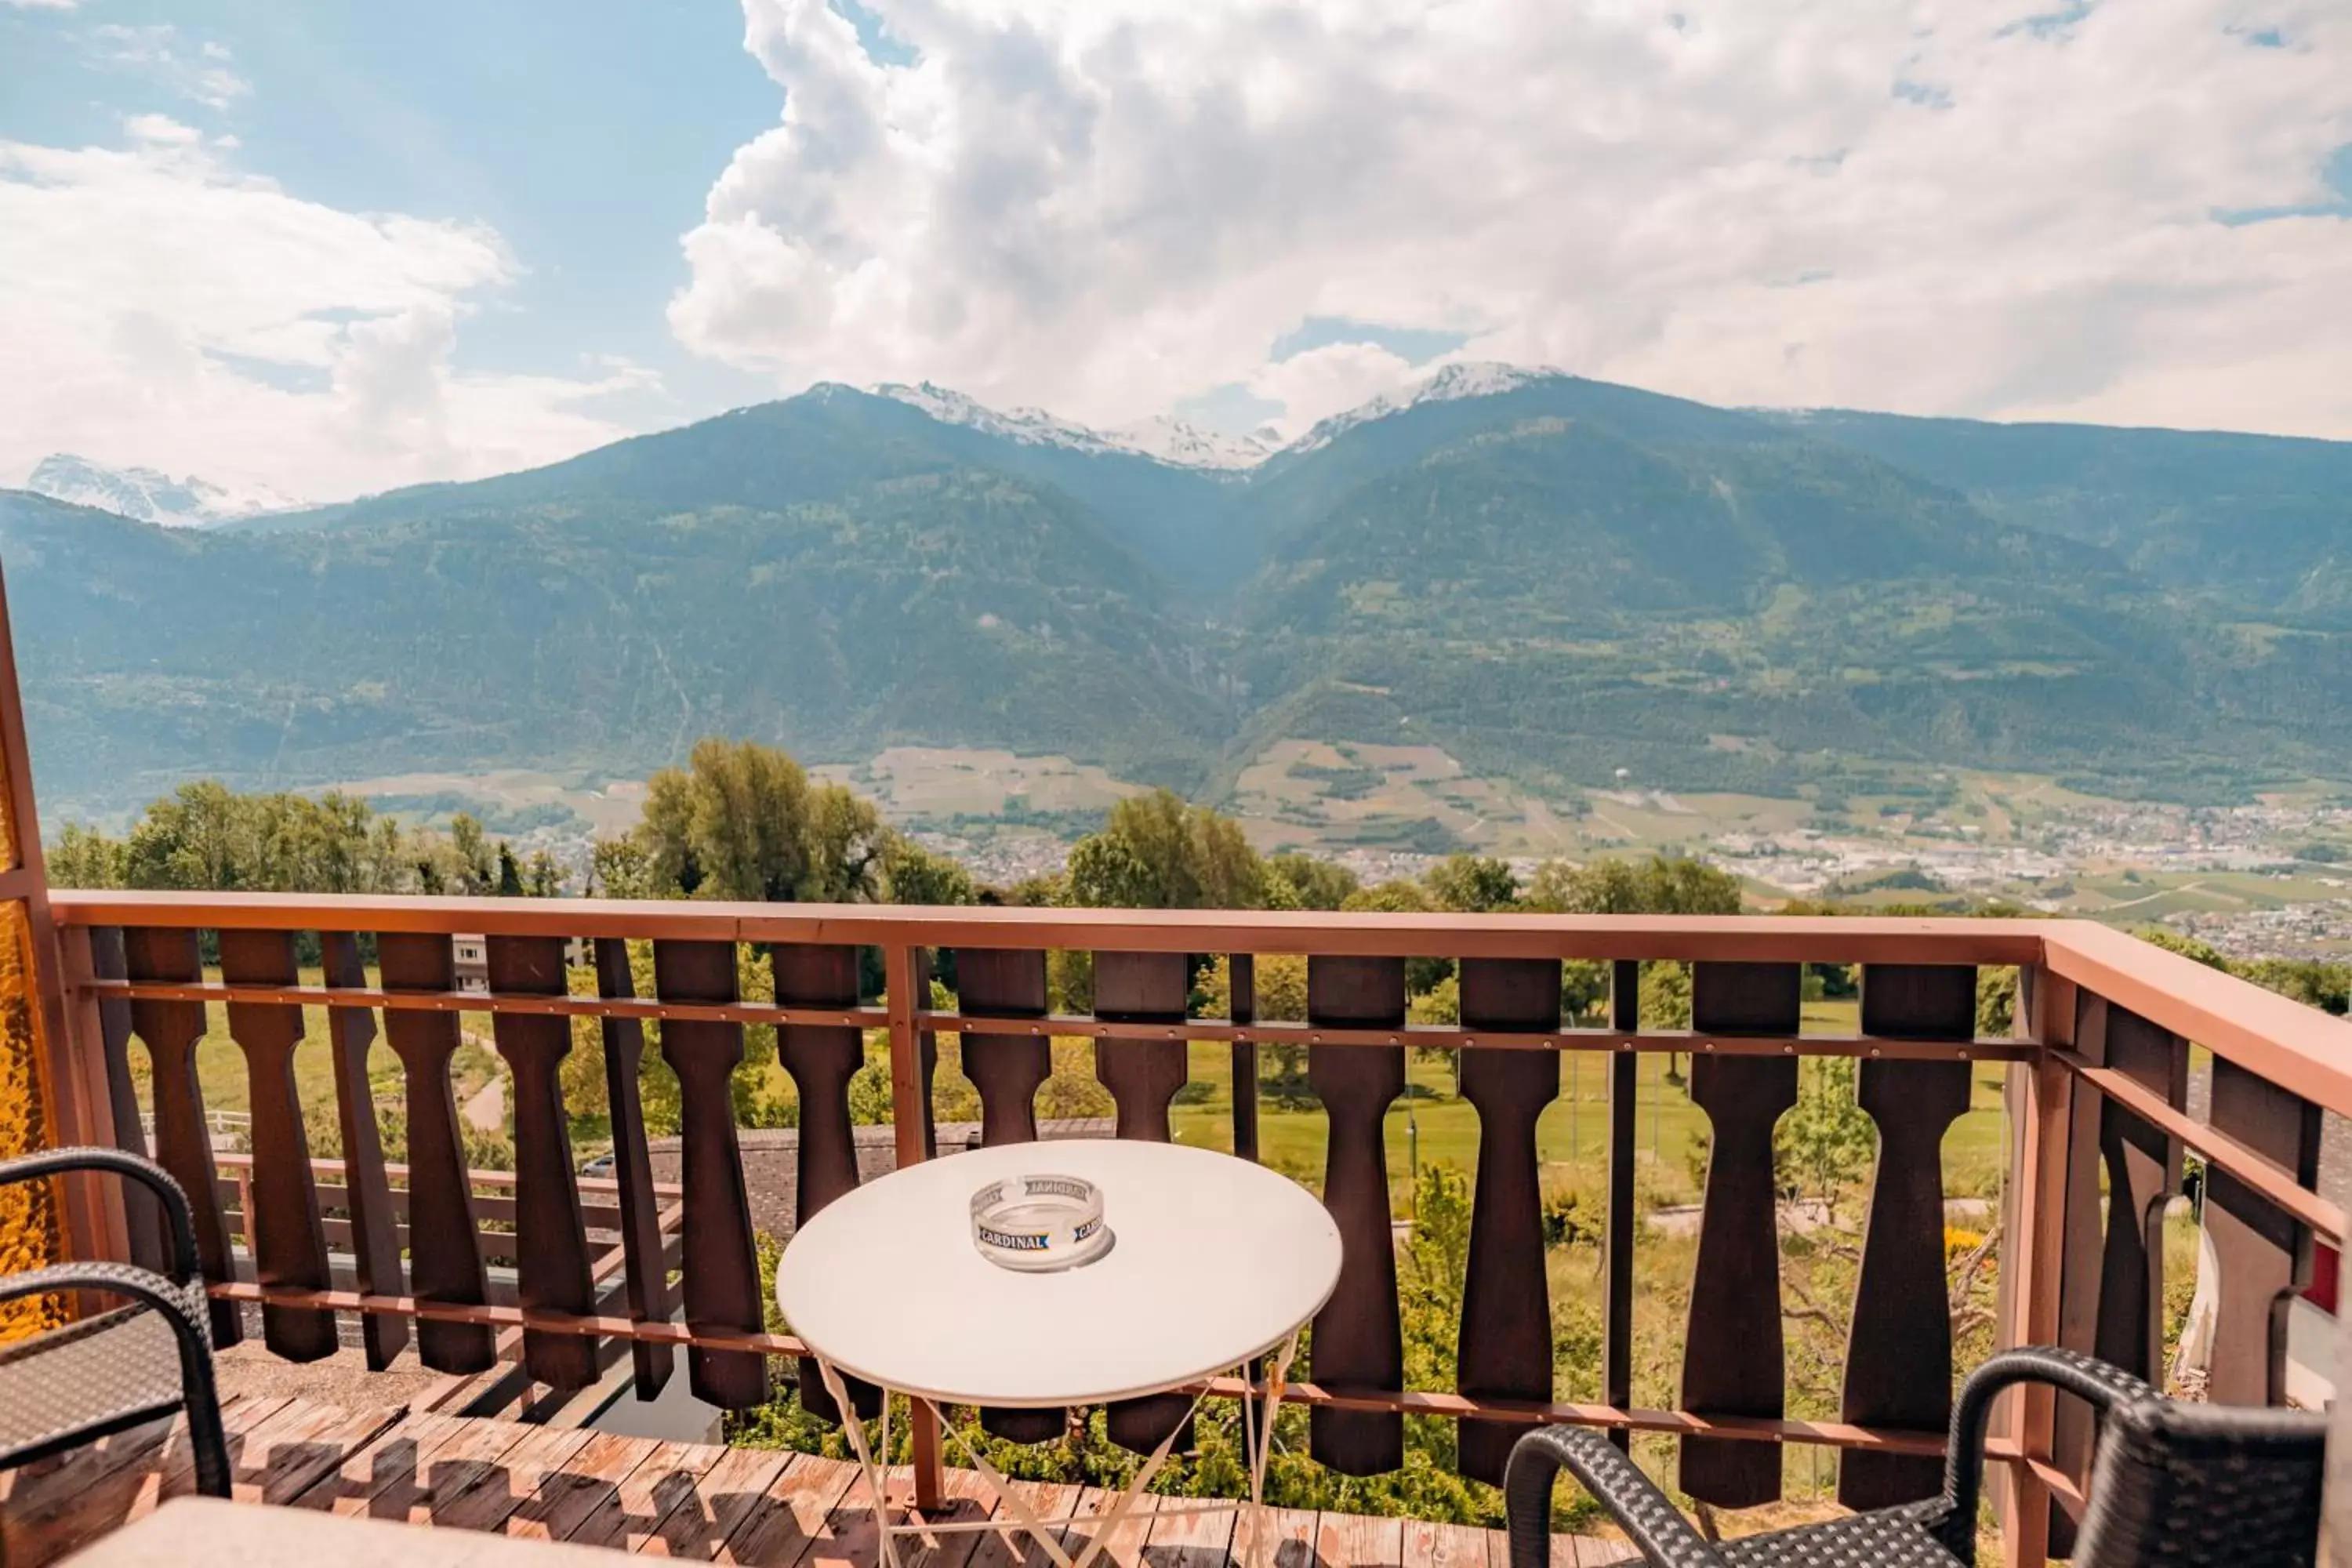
(751, 1506)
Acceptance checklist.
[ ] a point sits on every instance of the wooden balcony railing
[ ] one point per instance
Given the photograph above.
(2097, 1096)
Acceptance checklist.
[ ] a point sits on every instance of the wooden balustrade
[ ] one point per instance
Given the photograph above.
(2099, 1070)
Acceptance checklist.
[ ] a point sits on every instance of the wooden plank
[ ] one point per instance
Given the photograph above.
(1046, 1500)
(1351, 1541)
(1276, 1538)
(184, 1145)
(779, 1528)
(1505, 1347)
(1780, 938)
(1359, 1342)
(551, 1235)
(443, 1264)
(1428, 1544)
(1733, 1359)
(648, 1279)
(288, 1243)
(1124, 1549)
(2261, 1256)
(1623, 1203)
(1007, 1069)
(664, 1476)
(45, 1514)
(822, 1060)
(366, 1191)
(521, 1474)
(294, 1465)
(1898, 1368)
(1186, 1533)
(568, 1498)
(720, 1276)
(1143, 1076)
(707, 1513)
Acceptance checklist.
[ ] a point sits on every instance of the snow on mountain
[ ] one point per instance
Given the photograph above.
(1168, 439)
(148, 496)
(1163, 438)
(1172, 441)
(1449, 383)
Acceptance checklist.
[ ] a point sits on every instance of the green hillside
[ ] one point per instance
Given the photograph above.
(1552, 582)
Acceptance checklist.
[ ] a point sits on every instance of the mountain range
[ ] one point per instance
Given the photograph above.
(149, 495)
(1550, 577)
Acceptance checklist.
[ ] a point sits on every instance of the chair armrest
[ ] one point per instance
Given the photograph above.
(1616, 1483)
(174, 1202)
(2089, 1379)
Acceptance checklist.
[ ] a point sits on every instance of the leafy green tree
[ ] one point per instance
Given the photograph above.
(1157, 852)
(1305, 882)
(743, 821)
(1663, 885)
(85, 857)
(913, 875)
(1473, 884)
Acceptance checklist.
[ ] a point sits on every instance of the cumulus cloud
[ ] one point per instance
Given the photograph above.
(203, 73)
(1105, 207)
(167, 309)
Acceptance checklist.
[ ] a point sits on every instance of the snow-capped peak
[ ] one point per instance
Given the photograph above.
(1031, 427)
(148, 495)
(1448, 383)
(1163, 438)
(1172, 441)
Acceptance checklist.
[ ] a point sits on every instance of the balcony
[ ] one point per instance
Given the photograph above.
(520, 1291)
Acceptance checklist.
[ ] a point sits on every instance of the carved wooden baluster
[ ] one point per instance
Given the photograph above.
(551, 1235)
(720, 1264)
(646, 1276)
(288, 1239)
(1732, 1358)
(2143, 1171)
(184, 1145)
(1898, 1363)
(1143, 1076)
(367, 1190)
(2262, 1257)
(1624, 1100)
(143, 1219)
(823, 1058)
(1506, 1341)
(998, 983)
(1359, 1343)
(445, 1258)
(2111, 1286)
(1241, 970)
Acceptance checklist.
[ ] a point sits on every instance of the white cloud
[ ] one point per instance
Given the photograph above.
(164, 307)
(1103, 206)
(43, 5)
(202, 73)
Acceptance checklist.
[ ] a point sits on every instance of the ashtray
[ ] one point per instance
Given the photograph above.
(1036, 1225)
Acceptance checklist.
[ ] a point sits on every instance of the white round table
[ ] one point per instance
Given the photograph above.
(1213, 1261)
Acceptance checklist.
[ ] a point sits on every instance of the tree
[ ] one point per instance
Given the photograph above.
(1158, 853)
(1304, 882)
(913, 875)
(1473, 884)
(85, 857)
(743, 821)
(1664, 885)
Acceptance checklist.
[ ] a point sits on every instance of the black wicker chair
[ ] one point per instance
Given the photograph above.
(119, 1368)
(2175, 1485)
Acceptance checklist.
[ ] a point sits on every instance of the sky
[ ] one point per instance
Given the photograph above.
(330, 247)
